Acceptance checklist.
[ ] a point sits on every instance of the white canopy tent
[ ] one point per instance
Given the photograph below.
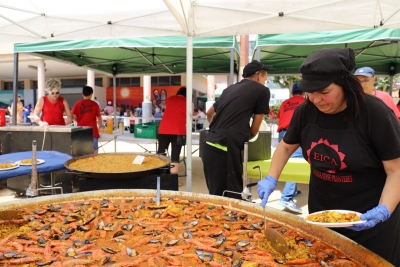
(40, 20)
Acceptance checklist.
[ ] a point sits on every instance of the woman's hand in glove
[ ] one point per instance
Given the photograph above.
(265, 187)
(372, 218)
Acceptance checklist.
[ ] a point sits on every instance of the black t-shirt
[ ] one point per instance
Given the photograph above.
(236, 106)
(376, 125)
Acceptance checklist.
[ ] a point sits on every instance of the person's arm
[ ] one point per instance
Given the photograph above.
(255, 126)
(99, 119)
(68, 112)
(99, 122)
(391, 192)
(36, 113)
(210, 114)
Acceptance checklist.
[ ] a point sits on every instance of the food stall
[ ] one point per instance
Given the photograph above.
(74, 141)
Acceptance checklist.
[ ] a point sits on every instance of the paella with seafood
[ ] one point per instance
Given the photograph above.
(138, 232)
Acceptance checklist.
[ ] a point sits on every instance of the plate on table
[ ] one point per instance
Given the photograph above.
(329, 215)
(9, 166)
(28, 162)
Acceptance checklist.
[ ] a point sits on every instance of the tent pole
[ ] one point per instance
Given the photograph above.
(391, 84)
(115, 100)
(189, 100)
(258, 53)
(15, 90)
(232, 66)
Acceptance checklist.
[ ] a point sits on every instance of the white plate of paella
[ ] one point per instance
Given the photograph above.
(334, 218)
(28, 162)
(8, 166)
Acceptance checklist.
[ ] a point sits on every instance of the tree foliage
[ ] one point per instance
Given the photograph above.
(287, 81)
(383, 83)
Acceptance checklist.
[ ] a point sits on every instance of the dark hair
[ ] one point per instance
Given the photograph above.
(87, 90)
(182, 91)
(353, 92)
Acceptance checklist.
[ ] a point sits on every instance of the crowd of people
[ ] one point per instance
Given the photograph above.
(23, 112)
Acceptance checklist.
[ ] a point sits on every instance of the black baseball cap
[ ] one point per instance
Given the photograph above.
(253, 67)
(323, 67)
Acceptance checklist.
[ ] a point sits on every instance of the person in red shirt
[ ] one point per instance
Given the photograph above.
(52, 106)
(172, 125)
(86, 112)
(272, 114)
(284, 117)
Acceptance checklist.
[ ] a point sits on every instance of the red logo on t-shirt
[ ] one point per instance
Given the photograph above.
(325, 156)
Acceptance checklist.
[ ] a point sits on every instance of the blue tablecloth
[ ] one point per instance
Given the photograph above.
(54, 161)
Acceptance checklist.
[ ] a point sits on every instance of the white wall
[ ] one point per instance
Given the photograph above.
(279, 95)
(199, 83)
(101, 93)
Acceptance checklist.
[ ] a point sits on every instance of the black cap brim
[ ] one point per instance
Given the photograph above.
(313, 86)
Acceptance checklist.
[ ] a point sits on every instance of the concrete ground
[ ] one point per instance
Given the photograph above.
(198, 180)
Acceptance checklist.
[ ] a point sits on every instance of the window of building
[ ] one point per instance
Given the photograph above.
(126, 81)
(176, 80)
(98, 82)
(165, 80)
(73, 83)
(9, 85)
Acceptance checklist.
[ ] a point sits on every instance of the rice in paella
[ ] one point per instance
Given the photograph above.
(110, 163)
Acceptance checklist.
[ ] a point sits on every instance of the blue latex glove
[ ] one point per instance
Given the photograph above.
(372, 218)
(265, 187)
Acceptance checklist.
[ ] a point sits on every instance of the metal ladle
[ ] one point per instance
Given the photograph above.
(276, 240)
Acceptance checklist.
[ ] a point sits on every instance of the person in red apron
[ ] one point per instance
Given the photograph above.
(52, 106)
(229, 119)
(352, 142)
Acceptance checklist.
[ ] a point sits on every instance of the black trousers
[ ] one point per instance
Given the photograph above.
(215, 170)
(163, 143)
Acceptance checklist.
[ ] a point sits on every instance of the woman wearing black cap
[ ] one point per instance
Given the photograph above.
(351, 141)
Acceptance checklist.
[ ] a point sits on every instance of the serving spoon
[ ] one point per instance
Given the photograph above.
(276, 240)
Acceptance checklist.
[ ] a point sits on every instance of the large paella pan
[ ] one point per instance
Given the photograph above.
(127, 228)
(118, 165)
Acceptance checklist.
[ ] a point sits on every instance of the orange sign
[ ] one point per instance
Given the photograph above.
(133, 96)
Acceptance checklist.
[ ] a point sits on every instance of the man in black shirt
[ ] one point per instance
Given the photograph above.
(229, 129)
